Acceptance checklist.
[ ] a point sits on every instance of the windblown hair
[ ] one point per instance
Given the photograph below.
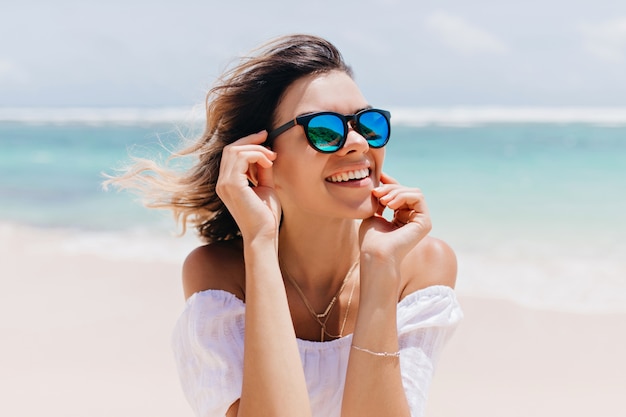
(242, 101)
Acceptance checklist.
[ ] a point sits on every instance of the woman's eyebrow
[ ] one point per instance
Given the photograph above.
(320, 111)
(369, 106)
(306, 113)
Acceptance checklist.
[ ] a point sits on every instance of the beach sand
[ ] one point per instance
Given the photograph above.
(507, 360)
(84, 335)
(89, 335)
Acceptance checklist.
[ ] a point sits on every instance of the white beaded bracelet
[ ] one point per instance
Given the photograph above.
(383, 354)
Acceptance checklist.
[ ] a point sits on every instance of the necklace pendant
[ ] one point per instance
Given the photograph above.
(322, 334)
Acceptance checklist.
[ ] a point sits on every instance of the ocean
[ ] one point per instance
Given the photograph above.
(532, 201)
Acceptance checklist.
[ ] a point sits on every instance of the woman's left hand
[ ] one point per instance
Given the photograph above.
(392, 240)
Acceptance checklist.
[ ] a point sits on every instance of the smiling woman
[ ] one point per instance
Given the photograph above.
(305, 300)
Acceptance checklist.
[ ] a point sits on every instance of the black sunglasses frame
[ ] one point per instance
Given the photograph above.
(352, 119)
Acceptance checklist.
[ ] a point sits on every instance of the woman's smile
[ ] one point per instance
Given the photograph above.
(349, 176)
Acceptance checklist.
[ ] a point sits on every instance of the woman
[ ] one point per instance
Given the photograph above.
(305, 300)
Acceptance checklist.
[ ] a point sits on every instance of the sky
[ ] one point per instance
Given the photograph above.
(136, 53)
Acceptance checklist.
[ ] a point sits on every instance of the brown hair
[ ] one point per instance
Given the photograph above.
(242, 101)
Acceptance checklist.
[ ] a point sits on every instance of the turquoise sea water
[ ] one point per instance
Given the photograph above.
(518, 180)
(528, 206)
(51, 174)
(498, 179)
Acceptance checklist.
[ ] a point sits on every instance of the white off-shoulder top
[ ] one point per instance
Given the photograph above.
(208, 348)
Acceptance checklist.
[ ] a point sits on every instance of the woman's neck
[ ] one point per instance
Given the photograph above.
(318, 254)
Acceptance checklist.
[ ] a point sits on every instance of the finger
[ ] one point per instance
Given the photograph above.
(398, 197)
(236, 168)
(405, 216)
(235, 149)
(241, 162)
(387, 192)
(265, 177)
(412, 219)
(380, 209)
(386, 179)
(377, 193)
(393, 192)
(256, 138)
(405, 200)
(253, 174)
(385, 189)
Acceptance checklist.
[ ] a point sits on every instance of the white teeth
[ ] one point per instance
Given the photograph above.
(350, 175)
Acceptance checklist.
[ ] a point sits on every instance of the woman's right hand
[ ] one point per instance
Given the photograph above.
(255, 209)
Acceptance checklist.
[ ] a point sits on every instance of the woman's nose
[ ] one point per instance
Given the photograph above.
(355, 142)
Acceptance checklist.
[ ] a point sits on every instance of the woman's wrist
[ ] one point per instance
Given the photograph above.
(380, 277)
(260, 240)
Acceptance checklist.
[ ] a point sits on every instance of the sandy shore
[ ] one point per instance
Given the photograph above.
(84, 335)
(507, 360)
(89, 335)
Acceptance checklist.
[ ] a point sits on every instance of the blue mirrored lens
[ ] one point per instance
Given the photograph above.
(374, 127)
(326, 132)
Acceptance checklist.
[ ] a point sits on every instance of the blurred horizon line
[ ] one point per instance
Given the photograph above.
(403, 115)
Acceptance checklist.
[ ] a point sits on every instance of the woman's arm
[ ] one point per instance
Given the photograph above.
(376, 378)
(373, 380)
(374, 383)
(273, 378)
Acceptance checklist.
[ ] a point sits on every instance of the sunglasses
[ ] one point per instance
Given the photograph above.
(327, 131)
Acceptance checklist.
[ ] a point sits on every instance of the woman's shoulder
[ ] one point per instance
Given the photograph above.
(431, 262)
(215, 266)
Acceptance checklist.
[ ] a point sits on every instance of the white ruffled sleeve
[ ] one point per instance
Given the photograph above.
(208, 350)
(426, 320)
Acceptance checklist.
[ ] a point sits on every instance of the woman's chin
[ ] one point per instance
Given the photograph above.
(368, 208)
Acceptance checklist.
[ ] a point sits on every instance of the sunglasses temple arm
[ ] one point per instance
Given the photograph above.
(280, 130)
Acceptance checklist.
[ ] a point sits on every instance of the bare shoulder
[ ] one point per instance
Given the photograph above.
(431, 262)
(216, 266)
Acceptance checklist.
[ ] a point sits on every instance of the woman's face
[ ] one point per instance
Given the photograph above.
(305, 179)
